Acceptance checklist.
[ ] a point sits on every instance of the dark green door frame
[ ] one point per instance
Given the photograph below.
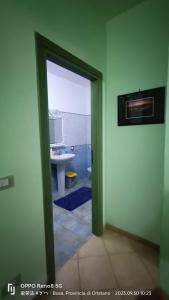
(47, 50)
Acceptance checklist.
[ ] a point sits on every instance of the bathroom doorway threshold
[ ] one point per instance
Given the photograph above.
(47, 50)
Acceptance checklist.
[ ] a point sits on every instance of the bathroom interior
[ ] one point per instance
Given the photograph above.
(69, 107)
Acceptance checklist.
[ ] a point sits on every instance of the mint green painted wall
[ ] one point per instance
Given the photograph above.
(164, 257)
(74, 27)
(137, 42)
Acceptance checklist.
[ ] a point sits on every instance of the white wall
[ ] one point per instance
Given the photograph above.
(68, 96)
(76, 129)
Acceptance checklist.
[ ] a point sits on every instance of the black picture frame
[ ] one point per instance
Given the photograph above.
(143, 107)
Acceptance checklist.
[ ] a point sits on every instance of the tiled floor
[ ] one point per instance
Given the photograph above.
(71, 229)
(109, 263)
(104, 264)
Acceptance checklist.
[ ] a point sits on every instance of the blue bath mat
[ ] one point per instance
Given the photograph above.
(75, 199)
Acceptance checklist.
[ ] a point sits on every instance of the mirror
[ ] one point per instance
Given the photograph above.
(56, 130)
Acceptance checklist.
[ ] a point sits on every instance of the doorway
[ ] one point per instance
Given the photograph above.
(47, 50)
(69, 107)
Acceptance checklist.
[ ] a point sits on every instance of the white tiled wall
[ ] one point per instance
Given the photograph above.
(76, 129)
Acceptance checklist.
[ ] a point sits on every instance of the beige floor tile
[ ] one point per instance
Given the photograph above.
(111, 297)
(116, 243)
(96, 273)
(68, 276)
(130, 271)
(93, 247)
(150, 258)
(152, 268)
(128, 297)
(146, 251)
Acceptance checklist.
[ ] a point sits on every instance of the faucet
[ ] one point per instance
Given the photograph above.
(54, 152)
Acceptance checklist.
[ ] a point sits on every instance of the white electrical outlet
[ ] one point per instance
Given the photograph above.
(6, 182)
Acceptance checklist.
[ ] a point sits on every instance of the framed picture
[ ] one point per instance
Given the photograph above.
(143, 107)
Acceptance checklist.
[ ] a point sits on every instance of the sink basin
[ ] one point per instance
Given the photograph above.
(60, 161)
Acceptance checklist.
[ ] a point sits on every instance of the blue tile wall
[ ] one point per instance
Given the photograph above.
(79, 164)
(81, 161)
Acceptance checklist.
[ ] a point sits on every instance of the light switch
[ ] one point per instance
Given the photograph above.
(6, 182)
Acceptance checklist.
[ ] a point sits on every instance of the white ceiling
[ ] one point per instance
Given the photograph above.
(66, 74)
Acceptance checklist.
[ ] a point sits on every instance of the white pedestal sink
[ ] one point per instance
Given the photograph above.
(61, 161)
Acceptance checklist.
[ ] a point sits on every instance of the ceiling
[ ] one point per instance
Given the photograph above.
(104, 9)
(108, 9)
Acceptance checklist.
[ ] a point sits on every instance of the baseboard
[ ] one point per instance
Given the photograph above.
(133, 236)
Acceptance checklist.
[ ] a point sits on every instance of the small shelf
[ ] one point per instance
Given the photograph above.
(58, 145)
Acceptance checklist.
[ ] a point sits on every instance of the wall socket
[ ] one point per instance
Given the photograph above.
(16, 281)
(6, 182)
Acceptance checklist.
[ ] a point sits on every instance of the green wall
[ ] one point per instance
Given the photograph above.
(164, 259)
(137, 42)
(74, 27)
(136, 59)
